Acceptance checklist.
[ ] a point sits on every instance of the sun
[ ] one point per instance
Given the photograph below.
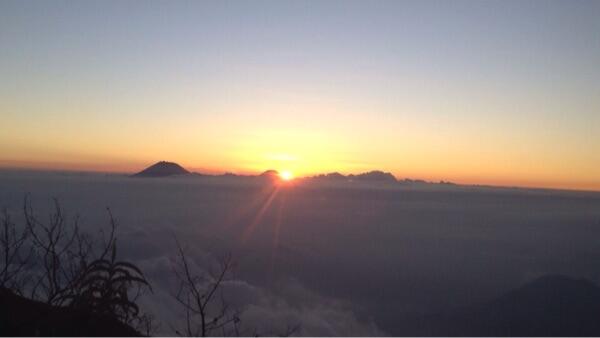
(286, 175)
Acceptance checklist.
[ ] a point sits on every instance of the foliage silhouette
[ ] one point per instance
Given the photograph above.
(104, 286)
(55, 263)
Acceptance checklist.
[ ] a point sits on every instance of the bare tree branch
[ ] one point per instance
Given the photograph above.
(196, 294)
(14, 256)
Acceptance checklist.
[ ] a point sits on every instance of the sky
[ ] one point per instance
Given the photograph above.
(486, 92)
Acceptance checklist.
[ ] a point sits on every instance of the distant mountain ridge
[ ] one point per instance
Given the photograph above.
(166, 169)
(374, 176)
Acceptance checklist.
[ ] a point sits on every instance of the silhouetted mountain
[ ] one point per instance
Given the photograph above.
(20, 316)
(373, 176)
(162, 169)
(552, 305)
(331, 176)
(271, 174)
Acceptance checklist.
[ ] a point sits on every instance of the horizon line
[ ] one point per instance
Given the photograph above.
(4, 167)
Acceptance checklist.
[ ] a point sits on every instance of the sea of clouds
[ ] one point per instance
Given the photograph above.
(333, 259)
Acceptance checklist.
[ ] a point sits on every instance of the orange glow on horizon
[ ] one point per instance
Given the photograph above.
(430, 176)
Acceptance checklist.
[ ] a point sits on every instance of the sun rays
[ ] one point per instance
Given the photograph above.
(249, 230)
(269, 215)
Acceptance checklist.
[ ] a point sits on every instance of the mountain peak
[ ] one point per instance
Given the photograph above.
(270, 173)
(162, 169)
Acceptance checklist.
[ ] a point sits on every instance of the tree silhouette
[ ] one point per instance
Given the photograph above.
(198, 293)
(14, 255)
(104, 288)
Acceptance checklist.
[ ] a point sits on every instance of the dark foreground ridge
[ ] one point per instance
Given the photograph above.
(24, 317)
(552, 305)
(162, 169)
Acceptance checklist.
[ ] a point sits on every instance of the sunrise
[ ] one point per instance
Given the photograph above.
(299, 168)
